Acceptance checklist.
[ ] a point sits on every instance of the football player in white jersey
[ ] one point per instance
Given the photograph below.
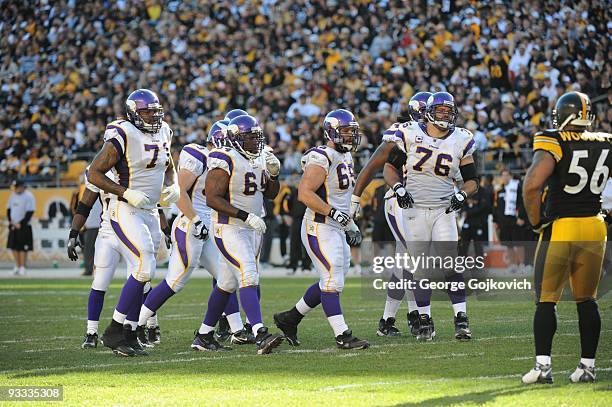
(389, 152)
(239, 178)
(106, 258)
(325, 189)
(190, 233)
(138, 152)
(437, 154)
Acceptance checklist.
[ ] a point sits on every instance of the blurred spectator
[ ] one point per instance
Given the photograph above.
(67, 67)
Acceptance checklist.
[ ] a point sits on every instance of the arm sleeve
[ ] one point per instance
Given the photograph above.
(117, 136)
(26, 218)
(316, 157)
(548, 141)
(8, 214)
(220, 159)
(192, 160)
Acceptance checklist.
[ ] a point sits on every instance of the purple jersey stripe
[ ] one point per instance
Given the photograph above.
(225, 253)
(124, 238)
(322, 193)
(222, 156)
(469, 145)
(196, 154)
(393, 223)
(313, 242)
(181, 243)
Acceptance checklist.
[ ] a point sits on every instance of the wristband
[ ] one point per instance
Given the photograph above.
(73, 233)
(242, 215)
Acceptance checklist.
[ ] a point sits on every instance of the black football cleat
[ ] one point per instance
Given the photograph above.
(426, 329)
(414, 323)
(462, 327)
(266, 341)
(143, 338)
(387, 328)
(132, 340)
(286, 324)
(348, 341)
(154, 335)
(242, 337)
(114, 338)
(90, 341)
(223, 332)
(207, 342)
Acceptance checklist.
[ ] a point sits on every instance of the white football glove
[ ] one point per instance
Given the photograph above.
(355, 206)
(136, 198)
(256, 223)
(272, 163)
(171, 193)
(200, 231)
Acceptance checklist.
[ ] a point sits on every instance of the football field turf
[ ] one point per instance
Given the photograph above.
(42, 323)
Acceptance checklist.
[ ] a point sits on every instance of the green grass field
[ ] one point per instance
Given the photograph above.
(42, 322)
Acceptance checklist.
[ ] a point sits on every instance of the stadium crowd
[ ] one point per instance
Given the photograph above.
(67, 66)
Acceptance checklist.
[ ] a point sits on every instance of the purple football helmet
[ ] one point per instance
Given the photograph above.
(441, 110)
(216, 134)
(341, 128)
(246, 136)
(232, 114)
(144, 110)
(417, 104)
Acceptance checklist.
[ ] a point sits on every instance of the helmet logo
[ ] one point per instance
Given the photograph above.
(131, 104)
(333, 122)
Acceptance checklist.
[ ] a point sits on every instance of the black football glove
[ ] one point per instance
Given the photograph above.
(73, 243)
(200, 231)
(168, 236)
(404, 199)
(457, 202)
(353, 234)
(340, 217)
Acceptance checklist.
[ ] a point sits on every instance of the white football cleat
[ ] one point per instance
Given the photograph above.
(539, 374)
(583, 374)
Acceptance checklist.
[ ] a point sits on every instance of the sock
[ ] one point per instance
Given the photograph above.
(250, 305)
(544, 327)
(391, 307)
(95, 305)
(130, 294)
(92, 327)
(132, 324)
(132, 316)
(412, 305)
(543, 359)
(588, 362)
(456, 296)
(259, 293)
(308, 302)
(216, 303)
(425, 310)
(152, 322)
(232, 305)
(155, 299)
(204, 329)
(331, 306)
(589, 323)
(235, 322)
(459, 307)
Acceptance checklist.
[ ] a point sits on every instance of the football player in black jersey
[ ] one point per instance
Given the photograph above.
(575, 164)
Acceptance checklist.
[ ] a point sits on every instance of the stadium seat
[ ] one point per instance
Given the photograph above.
(74, 172)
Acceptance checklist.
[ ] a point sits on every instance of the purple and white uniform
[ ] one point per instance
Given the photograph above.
(144, 159)
(331, 258)
(237, 242)
(430, 172)
(187, 250)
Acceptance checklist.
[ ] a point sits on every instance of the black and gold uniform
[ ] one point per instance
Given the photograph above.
(572, 246)
(583, 160)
